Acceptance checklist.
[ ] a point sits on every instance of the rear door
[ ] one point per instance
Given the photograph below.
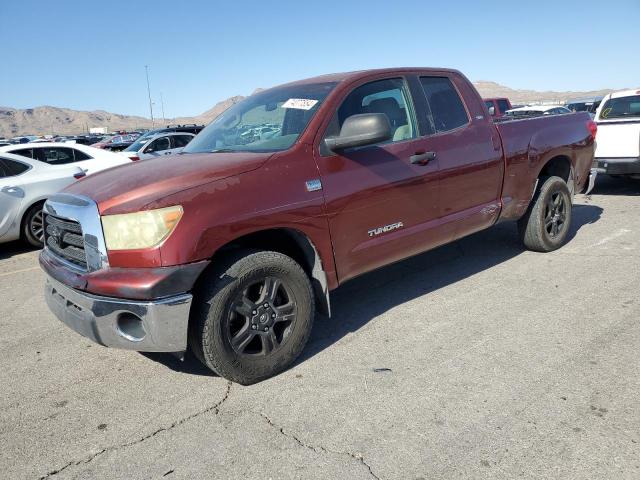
(381, 207)
(11, 191)
(469, 154)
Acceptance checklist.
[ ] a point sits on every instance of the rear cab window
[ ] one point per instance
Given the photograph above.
(621, 108)
(446, 111)
(503, 105)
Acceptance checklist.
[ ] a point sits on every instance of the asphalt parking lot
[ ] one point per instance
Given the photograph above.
(477, 360)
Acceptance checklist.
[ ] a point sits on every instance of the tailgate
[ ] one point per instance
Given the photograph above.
(618, 139)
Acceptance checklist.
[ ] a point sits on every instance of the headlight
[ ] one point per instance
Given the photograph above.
(141, 229)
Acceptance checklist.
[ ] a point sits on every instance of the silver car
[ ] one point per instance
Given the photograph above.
(25, 184)
(154, 146)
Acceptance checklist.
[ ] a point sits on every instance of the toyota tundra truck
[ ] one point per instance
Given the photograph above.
(229, 248)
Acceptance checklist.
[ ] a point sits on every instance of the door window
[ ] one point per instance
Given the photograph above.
(389, 96)
(180, 141)
(80, 155)
(24, 152)
(11, 168)
(159, 144)
(447, 109)
(54, 155)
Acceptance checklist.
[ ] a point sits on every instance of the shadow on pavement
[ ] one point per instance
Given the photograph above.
(360, 300)
(8, 250)
(608, 185)
(190, 364)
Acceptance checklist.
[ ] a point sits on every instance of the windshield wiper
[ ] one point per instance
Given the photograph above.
(222, 150)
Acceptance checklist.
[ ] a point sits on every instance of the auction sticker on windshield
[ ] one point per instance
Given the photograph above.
(300, 103)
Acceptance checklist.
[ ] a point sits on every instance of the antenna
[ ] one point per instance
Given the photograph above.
(146, 68)
(162, 105)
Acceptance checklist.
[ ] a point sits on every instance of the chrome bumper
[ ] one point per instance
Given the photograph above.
(592, 180)
(149, 326)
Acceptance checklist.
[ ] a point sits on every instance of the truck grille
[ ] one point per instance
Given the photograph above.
(64, 239)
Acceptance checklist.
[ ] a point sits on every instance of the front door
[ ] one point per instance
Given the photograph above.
(381, 206)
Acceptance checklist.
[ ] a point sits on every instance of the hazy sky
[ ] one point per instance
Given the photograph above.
(91, 55)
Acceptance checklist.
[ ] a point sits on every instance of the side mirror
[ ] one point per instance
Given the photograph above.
(492, 111)
(360, 130)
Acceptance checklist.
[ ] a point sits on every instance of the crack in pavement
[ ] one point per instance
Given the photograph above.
(215, 408)
(320, 449)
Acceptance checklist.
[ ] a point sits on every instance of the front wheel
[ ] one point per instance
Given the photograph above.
(545, 225)
(33, 226)
(252, 316)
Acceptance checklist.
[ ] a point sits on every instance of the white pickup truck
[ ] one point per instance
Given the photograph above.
(618, 138)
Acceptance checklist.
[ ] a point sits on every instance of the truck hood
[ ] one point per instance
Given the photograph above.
(129, 188)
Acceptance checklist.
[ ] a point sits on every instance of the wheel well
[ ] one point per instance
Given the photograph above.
(557, 167)
(26, 211)
(294, 244)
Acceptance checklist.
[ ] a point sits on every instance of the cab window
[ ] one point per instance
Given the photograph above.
(389, 96)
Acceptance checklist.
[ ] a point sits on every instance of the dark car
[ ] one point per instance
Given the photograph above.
(589, 104)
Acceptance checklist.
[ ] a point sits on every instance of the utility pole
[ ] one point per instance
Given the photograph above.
(146, 68)
(164, 121)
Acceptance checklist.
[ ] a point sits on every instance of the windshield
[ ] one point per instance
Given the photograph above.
(622, 107)
(138, 144)
(268, 121)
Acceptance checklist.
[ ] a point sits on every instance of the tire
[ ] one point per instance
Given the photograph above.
(33, 227)
(241, 331)
(545, 225)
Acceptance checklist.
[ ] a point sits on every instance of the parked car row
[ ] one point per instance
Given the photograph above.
(32, 171)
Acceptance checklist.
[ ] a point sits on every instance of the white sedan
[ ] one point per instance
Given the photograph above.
(25, 184)
(158, 145)
(90, 159)
(535, 110)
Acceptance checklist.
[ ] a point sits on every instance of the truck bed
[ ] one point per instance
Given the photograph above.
(529, 142)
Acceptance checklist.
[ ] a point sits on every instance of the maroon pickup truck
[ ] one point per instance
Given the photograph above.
(229, 248)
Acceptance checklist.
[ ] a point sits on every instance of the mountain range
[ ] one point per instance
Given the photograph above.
(48, 120)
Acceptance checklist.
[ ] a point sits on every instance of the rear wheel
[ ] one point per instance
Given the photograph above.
(33, 226)
(545, 225)
(252, 316)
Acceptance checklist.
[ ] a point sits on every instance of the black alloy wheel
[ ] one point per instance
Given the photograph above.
(262, 318)
(555, 214)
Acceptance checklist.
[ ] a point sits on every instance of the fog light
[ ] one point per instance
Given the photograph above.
(131, 327)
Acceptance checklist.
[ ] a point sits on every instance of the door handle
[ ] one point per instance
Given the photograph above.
(10, 190)
(422, 158)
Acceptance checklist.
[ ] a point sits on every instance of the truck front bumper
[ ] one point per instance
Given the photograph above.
(146, 326)
(618, 166)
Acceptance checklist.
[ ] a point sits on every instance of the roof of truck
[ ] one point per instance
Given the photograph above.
(357, 74)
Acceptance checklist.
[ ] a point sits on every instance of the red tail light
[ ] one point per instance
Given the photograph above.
(593, 128)
(79, 175)
(134, 159)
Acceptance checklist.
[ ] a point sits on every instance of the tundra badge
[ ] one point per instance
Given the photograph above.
(385, 229)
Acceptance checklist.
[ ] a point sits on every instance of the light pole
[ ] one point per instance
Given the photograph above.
(146, 68)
